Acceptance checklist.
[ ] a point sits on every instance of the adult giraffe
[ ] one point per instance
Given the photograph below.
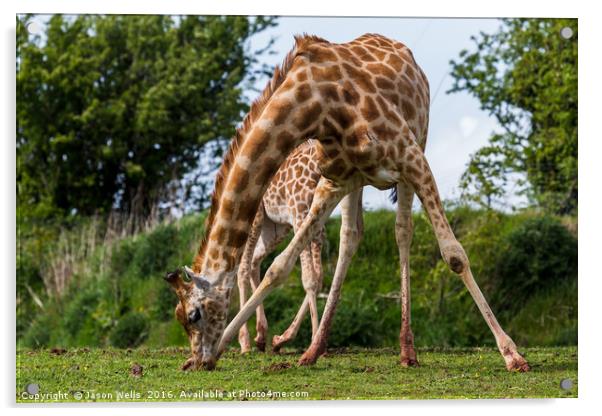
(362, 101)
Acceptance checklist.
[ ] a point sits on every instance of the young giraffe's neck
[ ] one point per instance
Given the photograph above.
(281, 124)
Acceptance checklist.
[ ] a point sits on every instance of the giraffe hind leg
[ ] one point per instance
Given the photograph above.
(403, 236)
(278, 341)
(418, 173)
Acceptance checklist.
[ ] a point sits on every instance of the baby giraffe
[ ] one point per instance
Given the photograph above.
(284, 206)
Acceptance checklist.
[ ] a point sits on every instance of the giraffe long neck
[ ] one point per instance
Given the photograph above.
(270, 140)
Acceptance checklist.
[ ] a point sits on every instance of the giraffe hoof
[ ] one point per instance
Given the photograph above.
(245, 350)
(310, 356)
(191, 364)
(277, 344)
(208, 365)
(519, 365)
(409, 362)
(307, 359)
(260, 345)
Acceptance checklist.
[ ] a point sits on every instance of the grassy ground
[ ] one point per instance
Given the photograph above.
(143, 375)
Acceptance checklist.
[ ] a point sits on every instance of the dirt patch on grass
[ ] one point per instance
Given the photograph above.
(275, 367)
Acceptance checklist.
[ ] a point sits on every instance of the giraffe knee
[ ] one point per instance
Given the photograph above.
(455, 257)
(276, 274)
(456, 264)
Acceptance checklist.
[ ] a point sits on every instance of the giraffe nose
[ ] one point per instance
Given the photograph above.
(194, 316)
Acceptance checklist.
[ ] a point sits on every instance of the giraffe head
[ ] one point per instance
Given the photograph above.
(202, 311)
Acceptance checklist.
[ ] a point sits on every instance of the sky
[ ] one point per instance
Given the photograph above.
(458, 127)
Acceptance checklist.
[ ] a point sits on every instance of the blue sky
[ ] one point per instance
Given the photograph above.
(458, 127)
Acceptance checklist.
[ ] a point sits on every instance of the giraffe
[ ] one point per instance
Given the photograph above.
(284, 206)
(365, 102)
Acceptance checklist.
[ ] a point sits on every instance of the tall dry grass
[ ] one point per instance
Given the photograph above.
(70, 255)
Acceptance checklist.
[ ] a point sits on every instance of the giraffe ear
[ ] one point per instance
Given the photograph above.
(200, 282)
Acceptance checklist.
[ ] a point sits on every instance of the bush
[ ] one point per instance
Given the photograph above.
(130, 331)
(549, 318)
(38, 334)
(165, 301)
(153, 250)
(79, 309)
(537, 255)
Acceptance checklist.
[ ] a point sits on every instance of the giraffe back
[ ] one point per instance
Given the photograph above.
(369, 90)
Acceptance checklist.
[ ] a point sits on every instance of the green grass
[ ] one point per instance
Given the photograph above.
(342, 374)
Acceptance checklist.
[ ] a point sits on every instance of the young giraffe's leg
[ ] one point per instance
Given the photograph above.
(351, 233)
(244, 339)
(311, 273)
(327, 195)
(315, 254)
(271, 235)
(306, 275)
(418, 173)
(244, 275)
(291, 332)
(403, 235)
(261, 322)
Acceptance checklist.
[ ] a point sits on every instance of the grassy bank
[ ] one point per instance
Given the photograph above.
(153, 374)
(525, 264)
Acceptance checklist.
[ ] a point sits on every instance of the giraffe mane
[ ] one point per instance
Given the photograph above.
(257, 107)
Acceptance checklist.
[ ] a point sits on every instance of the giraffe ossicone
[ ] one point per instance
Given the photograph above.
(366, 103)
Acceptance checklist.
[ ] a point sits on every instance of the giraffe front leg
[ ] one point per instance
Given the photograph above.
(244, 339)
(252, 254)
(261, 324)
(351, 232)
(418, 173)
(315, 284)
(403, 236)
(271, 235)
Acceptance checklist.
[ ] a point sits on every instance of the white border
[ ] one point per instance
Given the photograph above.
(589, 173)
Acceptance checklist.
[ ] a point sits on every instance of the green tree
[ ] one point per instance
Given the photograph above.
(526, 76)
(114, 110)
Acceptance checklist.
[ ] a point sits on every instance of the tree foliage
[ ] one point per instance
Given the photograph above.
(526, 76)
(114, 110)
